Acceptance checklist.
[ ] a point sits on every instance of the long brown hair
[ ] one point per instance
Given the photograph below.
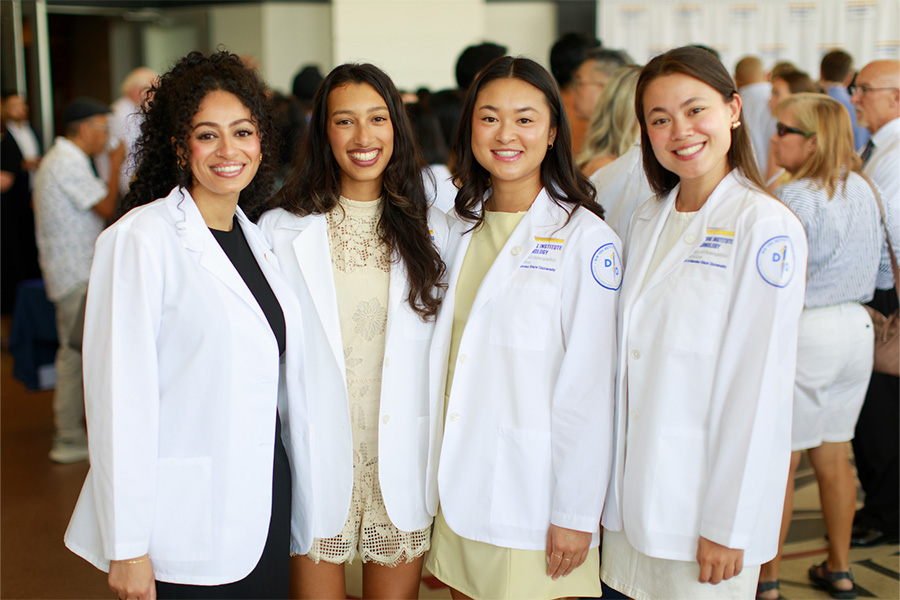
(564, 183)
(314, 186)
(703, 66)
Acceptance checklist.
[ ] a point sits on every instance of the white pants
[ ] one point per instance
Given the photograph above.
(834, 365)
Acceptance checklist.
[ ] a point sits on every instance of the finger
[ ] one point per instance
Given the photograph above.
(705, 572)
(568, 565)
(716, 576)
(739, 565)
(728, 571)
(553, 569)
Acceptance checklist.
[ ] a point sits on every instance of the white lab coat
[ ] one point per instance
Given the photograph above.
(182, 378)
(706, 372)
(301, 243)
(528, 435)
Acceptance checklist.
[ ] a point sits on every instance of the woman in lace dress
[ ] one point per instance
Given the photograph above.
(354, 235)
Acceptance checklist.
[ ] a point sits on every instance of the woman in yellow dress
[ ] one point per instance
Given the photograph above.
(523, 358)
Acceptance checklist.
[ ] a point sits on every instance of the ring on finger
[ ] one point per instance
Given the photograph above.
(567, 558)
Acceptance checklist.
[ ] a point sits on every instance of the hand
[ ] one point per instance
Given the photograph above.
(117, 155)
(132, 581)
(566, 550)
(718, 562)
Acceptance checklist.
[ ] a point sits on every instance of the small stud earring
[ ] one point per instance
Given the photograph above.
(736, 124)
(550, 147)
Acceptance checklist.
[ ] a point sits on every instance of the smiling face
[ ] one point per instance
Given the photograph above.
(511, 130)
(689, 126)
(361, 136)
(224, 147)
(792, 150)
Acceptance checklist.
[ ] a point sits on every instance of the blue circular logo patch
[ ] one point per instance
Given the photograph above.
(775, 261)
(606, 267)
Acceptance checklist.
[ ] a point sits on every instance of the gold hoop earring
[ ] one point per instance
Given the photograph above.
(181, 163)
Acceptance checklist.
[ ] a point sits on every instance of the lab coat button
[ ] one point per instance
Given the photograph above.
(634, 415)
(635, 354)
(454, 417)
(690, 238)
(385, 419)
(462, 358)
(517, 250)
(387, 361)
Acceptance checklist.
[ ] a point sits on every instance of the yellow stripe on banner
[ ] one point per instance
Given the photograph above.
(550, 240)
(718, 232)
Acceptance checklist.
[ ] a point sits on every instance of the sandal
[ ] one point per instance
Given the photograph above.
(824, 579)
(767, 586)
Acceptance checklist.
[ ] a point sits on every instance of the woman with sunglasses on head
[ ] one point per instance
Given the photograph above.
(355, 237)
(707, 325)
(839, 211)
(523, 360)
(193, 359)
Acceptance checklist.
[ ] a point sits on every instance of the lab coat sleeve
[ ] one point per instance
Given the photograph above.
(750, 415)
(583, 400)
(122, 318)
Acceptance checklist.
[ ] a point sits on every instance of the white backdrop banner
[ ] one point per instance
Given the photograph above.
(800, 32)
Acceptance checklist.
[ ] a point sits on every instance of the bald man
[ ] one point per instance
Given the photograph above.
(755, 91)
(876, 446)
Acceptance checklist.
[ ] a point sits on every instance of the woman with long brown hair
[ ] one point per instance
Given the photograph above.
(354, 235)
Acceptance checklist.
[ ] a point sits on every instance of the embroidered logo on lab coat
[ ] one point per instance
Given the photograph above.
(775, 261)
(715, 251)
(545, 255)
(606, 267)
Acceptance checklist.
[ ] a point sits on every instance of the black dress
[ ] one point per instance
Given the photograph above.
(269, 579)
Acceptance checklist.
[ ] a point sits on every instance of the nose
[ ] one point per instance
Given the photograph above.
(681, 128)
(226, 146)
(362, 135)
(505, 132)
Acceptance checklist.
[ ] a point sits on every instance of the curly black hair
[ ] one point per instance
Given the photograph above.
(314, 186)
(175, 100)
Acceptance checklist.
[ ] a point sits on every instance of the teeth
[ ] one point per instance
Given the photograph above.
(364, 156)
(506, 153)
(228, 169)
(689, 150)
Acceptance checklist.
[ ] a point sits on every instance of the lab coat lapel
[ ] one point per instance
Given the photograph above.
(514, 252)
(398, 289)
(314, 258)
(197, 237)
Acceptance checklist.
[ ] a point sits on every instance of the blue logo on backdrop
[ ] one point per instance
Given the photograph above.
(775, 261)
(606, 267)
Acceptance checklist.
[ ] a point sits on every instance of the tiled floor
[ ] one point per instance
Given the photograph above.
(37, 498)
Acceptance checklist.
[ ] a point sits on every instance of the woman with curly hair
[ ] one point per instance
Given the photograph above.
(193, 358)
(355, 237)
(523, 360)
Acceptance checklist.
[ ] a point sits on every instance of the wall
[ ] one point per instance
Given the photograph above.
(294, 35)
(798, 31)
(526, 28)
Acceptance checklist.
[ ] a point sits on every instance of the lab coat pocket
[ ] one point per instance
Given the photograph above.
(522, 479)
(678, 482)
(183, 518)
(694, 314)
(521, 316)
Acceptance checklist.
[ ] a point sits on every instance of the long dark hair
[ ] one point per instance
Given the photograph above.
(703, 66)
(314, 186)
(167, 125)
(559, 175)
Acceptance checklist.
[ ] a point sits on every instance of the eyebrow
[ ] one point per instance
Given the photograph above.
(347, 111)
(683, 104)
(495, 109)
(211, 124)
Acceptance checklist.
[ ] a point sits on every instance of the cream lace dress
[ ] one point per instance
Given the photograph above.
(361, 265)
